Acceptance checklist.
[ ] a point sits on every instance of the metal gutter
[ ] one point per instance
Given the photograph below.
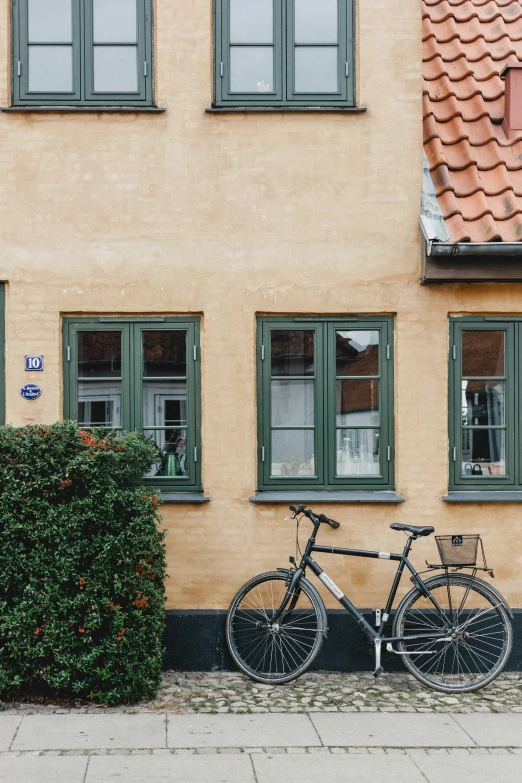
(437, 249)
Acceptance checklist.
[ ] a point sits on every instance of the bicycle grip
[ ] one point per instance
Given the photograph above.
(331, 522)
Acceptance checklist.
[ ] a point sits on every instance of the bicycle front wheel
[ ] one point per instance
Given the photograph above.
(475, 625)
(268, 651)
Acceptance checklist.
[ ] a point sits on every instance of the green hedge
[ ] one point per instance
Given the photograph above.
(82, 565)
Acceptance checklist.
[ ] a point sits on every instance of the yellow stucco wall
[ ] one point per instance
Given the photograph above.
(230, 216)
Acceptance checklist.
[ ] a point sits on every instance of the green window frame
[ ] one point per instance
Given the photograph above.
(85, 52)
(338, 54)
(337, 413)
(485, 397)
(2, 354)
(174, 396)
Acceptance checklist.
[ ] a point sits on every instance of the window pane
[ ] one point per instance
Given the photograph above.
(316, 69)
(164, 405)
(483, 353)
(293, 453)
(115, 69)
(251, 69)
(99, 404)
(483, 402)
(50, 69)
(358, 453)
(50, 21)
(114, 21)
(165, 353)
(316, 21)
(292, 352)
(357, 402)
(251, 21)
(173, 446)
(292, 403)
(99, 354)
(357, 353)
(483, 453)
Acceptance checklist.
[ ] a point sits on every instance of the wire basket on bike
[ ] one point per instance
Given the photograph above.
(458, 550)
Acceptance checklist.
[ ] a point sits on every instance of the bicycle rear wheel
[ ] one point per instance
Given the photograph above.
(474, 620)
(274, 652)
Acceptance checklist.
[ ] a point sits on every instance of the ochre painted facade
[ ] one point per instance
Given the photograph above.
(231, 216)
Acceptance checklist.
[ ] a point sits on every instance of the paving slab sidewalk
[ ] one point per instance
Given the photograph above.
(240, 731)
(8, 726)
(248, 748)
(89, 732)
(380, 730)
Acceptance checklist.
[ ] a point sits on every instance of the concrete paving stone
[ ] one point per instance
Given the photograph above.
(493, 730)
(404, 730)
(8, 727)
(478, 769)
(335, 769)
(42, 769)
(240, 731)
(79, 732)
(170, 769)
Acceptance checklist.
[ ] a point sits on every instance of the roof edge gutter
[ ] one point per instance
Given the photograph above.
(475, 249)
(437, 249)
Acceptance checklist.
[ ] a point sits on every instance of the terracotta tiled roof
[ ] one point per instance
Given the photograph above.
(476, 170)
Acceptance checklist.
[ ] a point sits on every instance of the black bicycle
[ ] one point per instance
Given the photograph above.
(453, 629)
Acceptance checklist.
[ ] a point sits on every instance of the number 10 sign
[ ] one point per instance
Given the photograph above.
(34, 363)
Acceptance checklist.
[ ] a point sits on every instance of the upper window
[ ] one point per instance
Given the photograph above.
(82, 52)
(284, 52)
(139, 375)
(325, 403)
(485, 404)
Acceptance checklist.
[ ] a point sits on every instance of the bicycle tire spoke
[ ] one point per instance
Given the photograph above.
(274, 651)
(479, 630)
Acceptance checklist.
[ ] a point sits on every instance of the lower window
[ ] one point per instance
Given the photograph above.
(485, 429)
(325, 397)
(139, 375)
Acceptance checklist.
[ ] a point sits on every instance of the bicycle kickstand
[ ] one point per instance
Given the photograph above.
(378, 667)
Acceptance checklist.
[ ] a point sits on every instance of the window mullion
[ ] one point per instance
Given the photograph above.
(82, 44)
(266, 375)
(329, 416)
(194, 455)
(517, 429)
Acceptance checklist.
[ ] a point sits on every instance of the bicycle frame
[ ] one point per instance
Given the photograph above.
(377, 636)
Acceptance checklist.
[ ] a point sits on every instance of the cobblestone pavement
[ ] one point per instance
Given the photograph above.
(229, 692)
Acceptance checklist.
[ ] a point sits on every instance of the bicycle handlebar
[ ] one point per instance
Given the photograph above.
(321, 518)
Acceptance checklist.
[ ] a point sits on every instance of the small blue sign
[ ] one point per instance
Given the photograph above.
(30, 391)
(34, 363)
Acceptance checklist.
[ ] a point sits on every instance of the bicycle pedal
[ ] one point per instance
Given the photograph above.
(378, 671)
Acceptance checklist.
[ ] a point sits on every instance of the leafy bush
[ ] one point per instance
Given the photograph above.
(82, 564)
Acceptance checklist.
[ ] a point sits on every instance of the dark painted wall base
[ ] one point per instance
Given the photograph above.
(195, 641)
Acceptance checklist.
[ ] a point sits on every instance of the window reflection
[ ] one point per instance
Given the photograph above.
(99, 354)
(482, 353)
(357, 353)
(292, 352)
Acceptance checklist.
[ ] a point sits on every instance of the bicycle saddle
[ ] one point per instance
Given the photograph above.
(416, 531)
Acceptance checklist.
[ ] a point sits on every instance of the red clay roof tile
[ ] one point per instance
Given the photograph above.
(476, 170)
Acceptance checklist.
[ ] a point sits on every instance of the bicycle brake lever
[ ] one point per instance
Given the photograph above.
(287, 518)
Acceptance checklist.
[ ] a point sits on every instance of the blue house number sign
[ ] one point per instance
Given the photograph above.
(34, 363)
(30, 391)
